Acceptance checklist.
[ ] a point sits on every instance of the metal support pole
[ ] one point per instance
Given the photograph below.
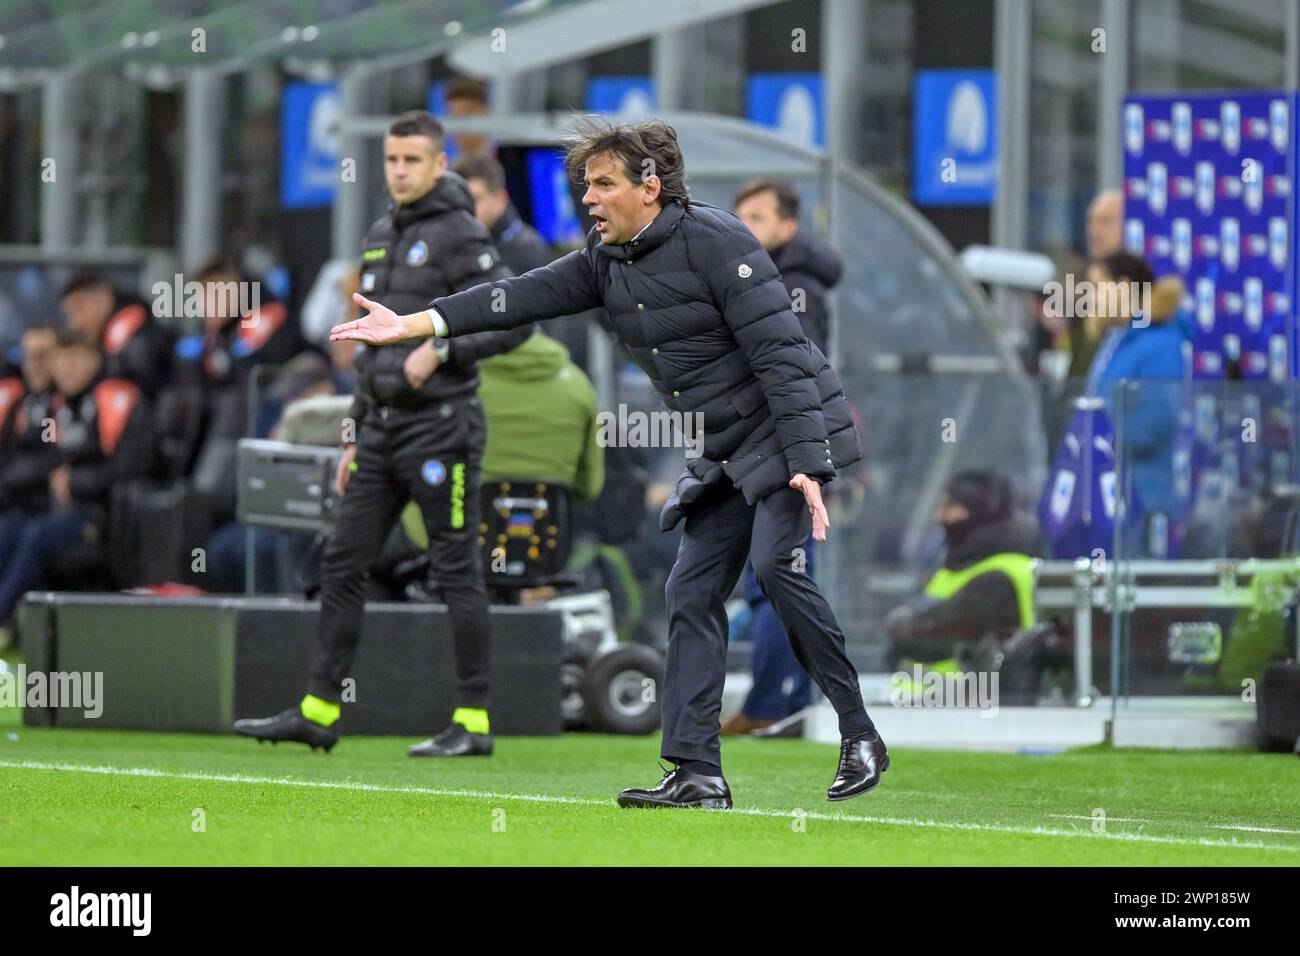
(844, 50)
(350, 205)
(201, 198)
(59, 135)
(1083, 632)
(1012, 37)
(1114, 83)
(674, 55)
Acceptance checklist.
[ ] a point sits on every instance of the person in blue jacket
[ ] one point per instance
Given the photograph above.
(1140, 356)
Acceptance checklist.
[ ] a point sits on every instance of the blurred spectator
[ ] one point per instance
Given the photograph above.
(1150, 348)
(27, 456)
(1104, 233)
(11, 379)
(1104, 225)
(241, 329)
(103, 437)
(136, 347)
(343, 353)
(984, 588)
(521, 246)
(809, 267)
(241, 336)
(560, 447)
(468, 98)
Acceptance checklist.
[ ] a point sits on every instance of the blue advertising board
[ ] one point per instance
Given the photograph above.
(1208, 197)
(309, 144)
(954, 138)
(790, 103)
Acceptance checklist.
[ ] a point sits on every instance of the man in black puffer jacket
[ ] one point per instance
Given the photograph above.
(416, 432)
(701, 309)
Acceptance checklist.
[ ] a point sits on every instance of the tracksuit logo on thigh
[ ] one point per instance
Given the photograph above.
(458, 495)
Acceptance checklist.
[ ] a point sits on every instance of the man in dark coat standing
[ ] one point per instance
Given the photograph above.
(701, 309)
(808, 265)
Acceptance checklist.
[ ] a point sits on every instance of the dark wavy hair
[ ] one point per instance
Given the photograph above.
(650, 146)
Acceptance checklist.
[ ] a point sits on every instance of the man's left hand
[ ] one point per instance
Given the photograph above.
(812, 493)
(421, 364)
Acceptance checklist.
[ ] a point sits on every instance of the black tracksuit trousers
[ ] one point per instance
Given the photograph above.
(721, 531)
(431, 455)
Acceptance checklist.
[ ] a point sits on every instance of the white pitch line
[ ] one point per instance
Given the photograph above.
(1239, 827)
(149, 772)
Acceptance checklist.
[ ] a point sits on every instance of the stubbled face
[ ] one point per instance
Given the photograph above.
(38, 358)
(488, 205)
(88, 309)
(620, 207)
(75, 368)
(759, 212)
(412, 166)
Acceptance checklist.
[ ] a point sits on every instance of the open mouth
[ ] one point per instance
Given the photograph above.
(602, 224)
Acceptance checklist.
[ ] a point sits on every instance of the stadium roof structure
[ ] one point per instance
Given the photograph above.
(105, 34)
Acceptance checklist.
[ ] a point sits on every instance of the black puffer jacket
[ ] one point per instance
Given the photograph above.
(810, 268)
(702, 310)
(432, 247)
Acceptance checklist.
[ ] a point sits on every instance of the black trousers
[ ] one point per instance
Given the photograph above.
(431, 455)
(721, 531)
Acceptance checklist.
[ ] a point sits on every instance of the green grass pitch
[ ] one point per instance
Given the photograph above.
(70, 797)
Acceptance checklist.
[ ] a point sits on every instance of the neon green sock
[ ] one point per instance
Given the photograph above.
(319, 711)
(473, 719)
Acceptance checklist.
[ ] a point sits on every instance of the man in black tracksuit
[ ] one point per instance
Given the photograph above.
(701, 309)
(416, 431)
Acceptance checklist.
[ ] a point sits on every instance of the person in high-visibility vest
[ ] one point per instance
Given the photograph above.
(985, 586)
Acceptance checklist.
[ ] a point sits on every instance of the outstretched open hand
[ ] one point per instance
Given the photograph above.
(379, 326)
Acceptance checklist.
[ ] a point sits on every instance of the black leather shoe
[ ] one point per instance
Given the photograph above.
(289, 725)
(862, 762)
(455, 741)
(681, 788)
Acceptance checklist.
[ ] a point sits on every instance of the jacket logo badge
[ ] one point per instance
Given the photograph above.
(485, 261)
(433, 472)
(368, 282)
(417, 253)
(744, 271)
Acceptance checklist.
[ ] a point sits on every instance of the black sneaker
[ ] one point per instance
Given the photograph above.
(455, 741)
(862, 761)
(681, 788)
(289, 725)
